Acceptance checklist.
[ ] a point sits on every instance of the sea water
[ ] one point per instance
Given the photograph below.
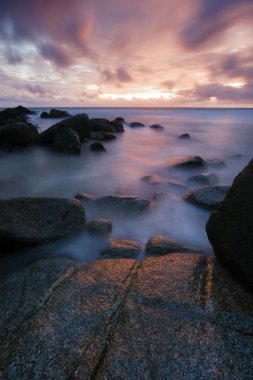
(224, 134)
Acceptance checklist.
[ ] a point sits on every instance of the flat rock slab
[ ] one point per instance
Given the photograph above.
(121, 249)
(207, 197)
(121, 205)
(36, 221)
(180, 316)
(162, 245)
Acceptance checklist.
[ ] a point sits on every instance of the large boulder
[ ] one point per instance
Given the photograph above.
(67, 141)
(118, 124)
(99, 227)
(121, 249)
(54, 114)
(162, 245)
(101, 136)
(181, 316)
(101, 125)
(230, 227)
(36, 221)
(18, 134)
(79, 123)
(121, 205)
(207, 197)
(204, 179)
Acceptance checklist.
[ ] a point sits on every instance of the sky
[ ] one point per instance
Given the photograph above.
(143, 53)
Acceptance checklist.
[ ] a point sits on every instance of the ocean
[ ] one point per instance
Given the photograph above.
(225, 134)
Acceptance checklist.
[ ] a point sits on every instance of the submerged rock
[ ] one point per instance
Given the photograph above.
(85, 197)
(117, 204)
(207, 197)
(230, 227)
(185, 136)
(54, 114)
(100, 227)
(78, 123)
(18, 134)
(162, 245)
(216, 162)
(121, 249)
(160, 196)
(36, 221)
(180, 316)
(204, 179)
(97, 146)
(153, 179)
(157, 127)
(67, 141)
(136, 124)
(186, 161)
(176, 183)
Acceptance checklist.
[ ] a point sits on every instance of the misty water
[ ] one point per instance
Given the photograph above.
(225, 134)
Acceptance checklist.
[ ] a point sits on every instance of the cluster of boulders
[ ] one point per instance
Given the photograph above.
(65, 136)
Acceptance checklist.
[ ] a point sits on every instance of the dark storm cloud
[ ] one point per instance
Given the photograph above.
(214, 18)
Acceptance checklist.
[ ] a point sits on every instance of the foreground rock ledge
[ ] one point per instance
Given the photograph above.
(180, 316)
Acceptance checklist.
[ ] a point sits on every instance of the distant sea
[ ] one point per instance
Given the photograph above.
(225, 134)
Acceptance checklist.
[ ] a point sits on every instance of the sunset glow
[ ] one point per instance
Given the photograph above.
(117, 53)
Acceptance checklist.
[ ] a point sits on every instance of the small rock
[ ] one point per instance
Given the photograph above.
(176, 183)
(121, 249)
(186, 161)
(161, 196)
(67, 141)
(216, 163)
(98, 147)
(99, 227)
(157, 127)
(136, 124)
(14, 113)
(185, 136)
(162, 245)
(204, 179)
(207, 197)
(152, 179)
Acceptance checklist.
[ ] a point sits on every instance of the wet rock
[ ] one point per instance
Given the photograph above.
(118, 124)
(18, 134)
(121, 249)
(162, 245)
(207, 197)
(54, 114)
(102, 136)
(124, 190)
(14, 113)
(160, 196)
(204, 179)
(85, 197)
(185, 136)
(186, 162)
(180, 316)
(230, 227)
(78, 123)
(125, 205)
(157, 127)
(217, 163)
(101, 125)
(98, 147)
(153, 179)
(67, 141)
(36, 221)
(99, 227)
(136, 124)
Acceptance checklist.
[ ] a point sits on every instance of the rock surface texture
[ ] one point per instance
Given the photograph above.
(230, 227)
(35, 221)
(207, 197)
(180, 316)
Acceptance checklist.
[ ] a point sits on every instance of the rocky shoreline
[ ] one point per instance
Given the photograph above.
(176, 314)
